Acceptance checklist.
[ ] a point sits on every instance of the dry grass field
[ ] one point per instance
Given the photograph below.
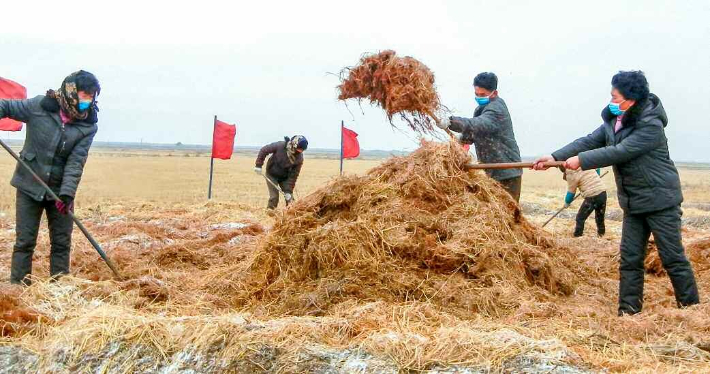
(178, 177)
(126, 177)
(179, 254)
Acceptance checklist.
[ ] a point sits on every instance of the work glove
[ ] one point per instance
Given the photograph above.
(566, 205)
(257, 170)
(569, 197)
(65, 204)
(288, 197)
(443, 123)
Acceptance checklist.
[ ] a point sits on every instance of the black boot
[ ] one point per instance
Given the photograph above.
(623, 312)
(578, 232)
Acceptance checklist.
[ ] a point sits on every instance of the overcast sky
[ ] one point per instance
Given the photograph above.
(166, 68)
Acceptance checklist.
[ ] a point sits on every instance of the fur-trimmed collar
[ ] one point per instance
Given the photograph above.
(51, 105)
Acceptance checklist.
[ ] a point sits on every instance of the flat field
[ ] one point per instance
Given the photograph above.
(149, 211)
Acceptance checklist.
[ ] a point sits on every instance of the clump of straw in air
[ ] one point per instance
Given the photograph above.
(400, 85)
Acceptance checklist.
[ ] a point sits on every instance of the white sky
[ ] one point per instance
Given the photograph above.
(167, 68)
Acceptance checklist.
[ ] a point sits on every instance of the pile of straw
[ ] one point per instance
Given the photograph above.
(698, 253)
(415, 228)
(400, 85)
(15, 318)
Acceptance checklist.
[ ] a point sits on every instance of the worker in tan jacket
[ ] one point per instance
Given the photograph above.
(593, 191)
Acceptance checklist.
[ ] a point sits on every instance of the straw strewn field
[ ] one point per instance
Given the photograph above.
(186, 302)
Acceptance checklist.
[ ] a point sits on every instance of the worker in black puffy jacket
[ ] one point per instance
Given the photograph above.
(632, 140)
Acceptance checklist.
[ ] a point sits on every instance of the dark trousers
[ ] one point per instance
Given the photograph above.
(273, 192)
(513, 186)
(28, 214)
(596, 204)
(665, 226)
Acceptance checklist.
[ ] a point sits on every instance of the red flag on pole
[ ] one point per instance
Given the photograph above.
(351, 147)
(11, 90)
(223, 140)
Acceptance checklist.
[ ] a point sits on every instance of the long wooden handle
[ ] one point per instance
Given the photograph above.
(54, 196)
(512, 165)
(566, 206)
(276, 186)
(557, 212)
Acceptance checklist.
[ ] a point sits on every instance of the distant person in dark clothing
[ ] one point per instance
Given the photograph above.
(283, 167)
(491, 132)
(60, 129)
(632, 139)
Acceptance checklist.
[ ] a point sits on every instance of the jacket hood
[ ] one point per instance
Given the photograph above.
(654, 108)
(644, 110)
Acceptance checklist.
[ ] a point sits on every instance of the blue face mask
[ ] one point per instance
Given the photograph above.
(615, 108)
(83, 105)
(483, 100)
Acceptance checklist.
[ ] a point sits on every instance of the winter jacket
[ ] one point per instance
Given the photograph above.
(56, 152)
(279, 166)
(646, 178)
(491, 132)
(588, 182)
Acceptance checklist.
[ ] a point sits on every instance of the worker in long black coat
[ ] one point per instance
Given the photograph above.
(632, 139)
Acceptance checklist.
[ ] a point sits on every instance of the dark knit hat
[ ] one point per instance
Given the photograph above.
(303, 143)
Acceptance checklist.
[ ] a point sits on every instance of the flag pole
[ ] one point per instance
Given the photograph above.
(209, 190)
(342, 125)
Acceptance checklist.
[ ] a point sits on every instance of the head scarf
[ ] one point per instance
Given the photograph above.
(291, 147)
(68, 98)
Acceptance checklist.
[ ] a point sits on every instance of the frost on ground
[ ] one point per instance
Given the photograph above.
(261, 359)
(78, 320)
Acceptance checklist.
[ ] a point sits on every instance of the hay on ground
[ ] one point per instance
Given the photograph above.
(698, 252)
(15, 318)
(449, 274)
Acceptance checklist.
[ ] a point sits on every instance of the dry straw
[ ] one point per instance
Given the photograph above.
(418, 261)
(415, 228)
(400, 85)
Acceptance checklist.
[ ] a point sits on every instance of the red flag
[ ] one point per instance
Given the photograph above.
(11, 90)
(223, 140)
(351, 147)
